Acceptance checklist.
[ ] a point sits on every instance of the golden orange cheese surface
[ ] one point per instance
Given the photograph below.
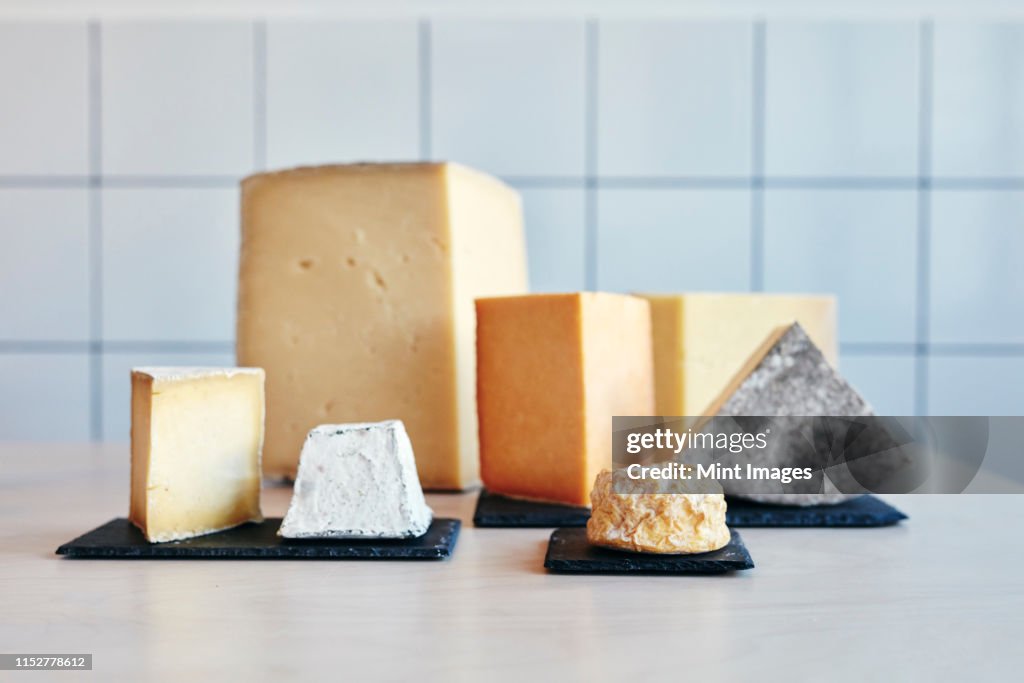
(667, 523)
(552, 370)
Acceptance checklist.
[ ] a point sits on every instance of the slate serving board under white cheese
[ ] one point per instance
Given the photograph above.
(120, 539)
(569, 552)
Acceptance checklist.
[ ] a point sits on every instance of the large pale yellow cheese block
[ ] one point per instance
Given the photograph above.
(702, 340)
(196, 436)
(356, 295)
(553, 371)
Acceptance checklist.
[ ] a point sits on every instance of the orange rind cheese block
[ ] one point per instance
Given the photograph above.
(552, 371)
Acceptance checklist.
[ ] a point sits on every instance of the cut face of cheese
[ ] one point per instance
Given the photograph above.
(702, 340)
(552, 372)
(356, 296)
(357, 481)
(197, 434)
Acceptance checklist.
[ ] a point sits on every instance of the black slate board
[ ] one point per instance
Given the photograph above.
(493, 510)
(569, 552)
(120, 539)
(863, 511)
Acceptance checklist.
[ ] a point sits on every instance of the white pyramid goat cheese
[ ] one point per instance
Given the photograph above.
(357, 481)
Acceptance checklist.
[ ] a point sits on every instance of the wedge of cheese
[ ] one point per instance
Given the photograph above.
(702, 340)
(197, 434)
(788, 376)
(356, 295)
(552, 370)
(357, 481)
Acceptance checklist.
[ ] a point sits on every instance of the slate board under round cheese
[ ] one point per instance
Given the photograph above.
(495, 511)
(120, 539)
(569, 552)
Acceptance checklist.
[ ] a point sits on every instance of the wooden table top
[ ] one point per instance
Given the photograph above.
(938, 597)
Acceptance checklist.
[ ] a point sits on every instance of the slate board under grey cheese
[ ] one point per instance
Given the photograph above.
(120, 539)
(496, 511)
(569, 552)
(794, 379)
(862, 511)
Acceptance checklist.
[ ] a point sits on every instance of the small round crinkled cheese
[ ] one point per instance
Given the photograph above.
(668, 523)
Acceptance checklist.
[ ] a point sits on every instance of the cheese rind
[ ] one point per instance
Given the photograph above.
(702, 339)
(196, 439)
(552, 371)
(666, 523)
(356, 295)
(789, 377)
(357, 481)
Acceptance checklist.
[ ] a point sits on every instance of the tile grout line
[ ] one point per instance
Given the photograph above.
(906, 183)
(425, 85)
(18, 346)
(758, 84)
(259, 94)
(985, 350)
(186, 346)
(923, 252)
(95, 222)
(590, 114)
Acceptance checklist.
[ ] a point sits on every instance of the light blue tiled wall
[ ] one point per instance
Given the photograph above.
(882, 161)
(673, 240)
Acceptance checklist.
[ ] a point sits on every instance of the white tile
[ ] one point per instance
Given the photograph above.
(975, 386)
(673, 240)
(170, 264)
(841, 98)
(674, 98)
(859, 245)
(554, 219)
(977, 283)
(508, 96)
(44, 264)
(978, 99)
(342, 91)
(117, 386)
(44, 396)
(886, 381)
(177, 98)
(44, 119)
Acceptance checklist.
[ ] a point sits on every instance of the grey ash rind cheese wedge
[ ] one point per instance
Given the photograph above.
(790, 377)
(357, 481)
